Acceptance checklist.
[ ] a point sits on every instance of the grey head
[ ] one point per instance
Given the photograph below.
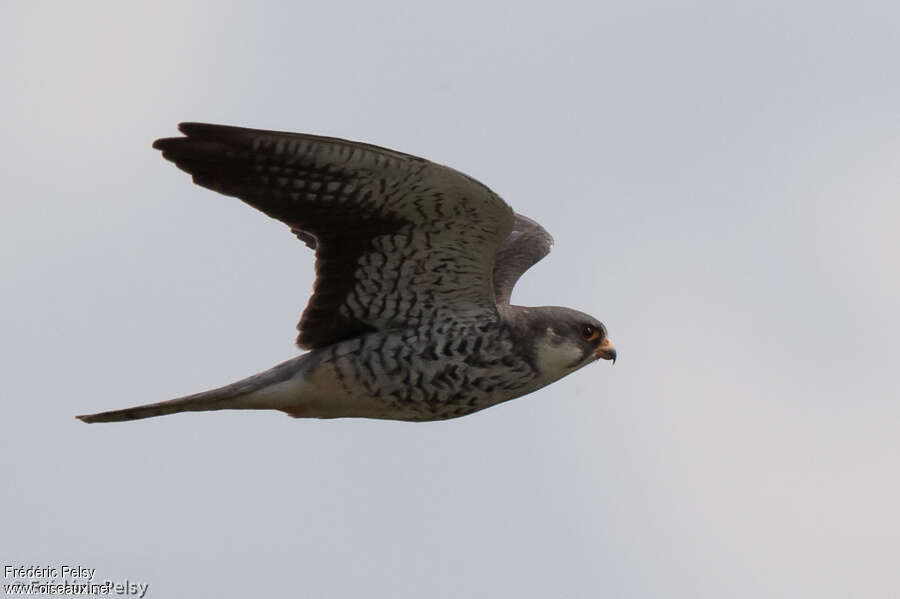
(559, 340)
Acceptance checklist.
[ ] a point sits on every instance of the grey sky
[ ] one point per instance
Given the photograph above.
(722, 182)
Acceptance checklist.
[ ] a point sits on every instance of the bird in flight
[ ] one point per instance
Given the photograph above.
(410, 316)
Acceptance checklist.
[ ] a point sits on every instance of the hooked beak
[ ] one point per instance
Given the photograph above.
(606, 351)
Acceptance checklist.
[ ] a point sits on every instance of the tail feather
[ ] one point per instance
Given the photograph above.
(191, 403)
(256, 392)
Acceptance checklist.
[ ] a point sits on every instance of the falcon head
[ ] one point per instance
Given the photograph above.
(565, 340)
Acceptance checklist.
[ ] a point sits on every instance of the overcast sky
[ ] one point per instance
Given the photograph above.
(722, 182)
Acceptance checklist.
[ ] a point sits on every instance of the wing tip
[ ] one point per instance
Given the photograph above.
(89, 418)
(194, 130)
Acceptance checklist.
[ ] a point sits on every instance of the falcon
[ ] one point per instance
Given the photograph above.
(410, 316)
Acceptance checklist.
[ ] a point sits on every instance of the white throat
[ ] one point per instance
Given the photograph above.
(557, 356)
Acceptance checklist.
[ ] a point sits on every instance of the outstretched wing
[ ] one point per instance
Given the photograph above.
(399, 240)
(526, 245)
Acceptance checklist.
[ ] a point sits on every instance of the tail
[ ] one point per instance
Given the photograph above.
(260, 391)
(208, 400)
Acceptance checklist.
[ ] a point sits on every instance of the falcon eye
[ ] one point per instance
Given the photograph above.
(589, 333)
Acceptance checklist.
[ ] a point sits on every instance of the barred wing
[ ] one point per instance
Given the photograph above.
(399, 240)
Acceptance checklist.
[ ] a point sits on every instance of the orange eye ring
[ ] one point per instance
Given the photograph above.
(590, 333)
